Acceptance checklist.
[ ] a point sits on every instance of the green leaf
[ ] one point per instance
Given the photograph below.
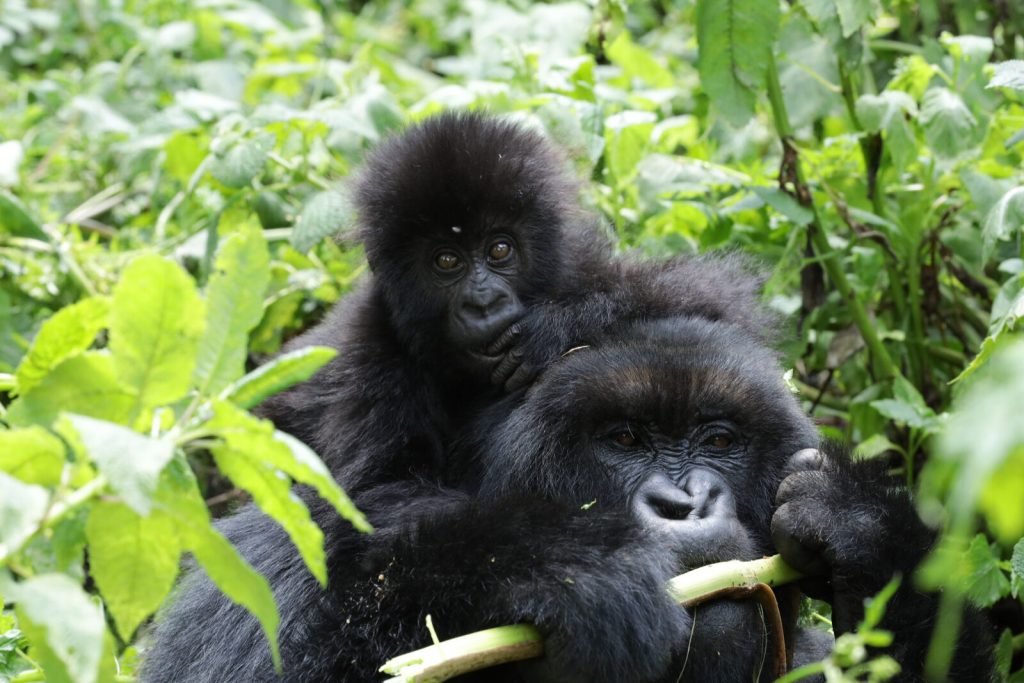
(249, 434)
(324, 214)
(904, 413)
(243, 161)
(64, 626)
(736, 39)
(948, 124)
(874, 447)
(131, 462)
(854, 14)
(1008, 74)
(627, 134)
(22, 508)
(83, 384)
(33, 455)
(1004, 220)
(234, 305)
(636, 62)
(987, 582)
(15, 220)
(154, 329)
(785, 204)
(279, 374)
(887, 112)
(272, 493)
(70, 331)
(1001, 497)
(178, 497)
(133, 560)
(1017, 570)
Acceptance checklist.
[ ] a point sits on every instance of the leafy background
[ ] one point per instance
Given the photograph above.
(170, 174)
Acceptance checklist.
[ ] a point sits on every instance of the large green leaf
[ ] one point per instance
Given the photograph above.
(133, 560)
(131, 462)
(71, 330)
(83, 384)
(234, 305)
(1003, 220)
(736, 39)
(887, 112)
(64, 625)
(324, 214)
(279, 374)
(33, 455)
(1008, 75)
(178, 498)
(948, 124)
(22, 508)
(242, 161)
(155, 325)
(15, 219)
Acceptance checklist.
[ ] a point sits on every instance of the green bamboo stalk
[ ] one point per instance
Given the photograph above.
(503, 644)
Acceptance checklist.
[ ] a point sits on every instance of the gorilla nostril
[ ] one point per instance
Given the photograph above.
(672, 509)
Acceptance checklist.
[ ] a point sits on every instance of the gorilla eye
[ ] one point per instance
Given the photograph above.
(719, 441)
(446, 260)
(625, 438)
(500, 250)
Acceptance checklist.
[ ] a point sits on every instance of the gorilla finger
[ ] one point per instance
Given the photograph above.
(508, 365)
(803, 483)
(523, 375)
(807, 459)
(506, 339)
(801, 551)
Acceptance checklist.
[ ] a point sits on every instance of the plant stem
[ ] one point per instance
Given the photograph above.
(830, 258)
(504, 644)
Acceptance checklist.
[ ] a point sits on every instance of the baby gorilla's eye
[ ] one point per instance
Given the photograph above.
(719, 441)
(446, 260)
(500, 250)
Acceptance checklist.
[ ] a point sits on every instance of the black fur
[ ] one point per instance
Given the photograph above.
(403, 385)
(687, 402)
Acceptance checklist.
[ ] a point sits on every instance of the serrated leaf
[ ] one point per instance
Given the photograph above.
(987, 583)
(247, 433)
(949, 125)
(243, 161)
(1004, 219)
(32, 455)
(324, 214)
(155, 324)
(271, 491)
(70, 331)
(279, 374)
(178, 498)
(234, 305)
(900, 411)
(84, 384)
(22, 508)
(1009, 74)
(64, 625)
(133, 559)
(736, 39)
(131, 462)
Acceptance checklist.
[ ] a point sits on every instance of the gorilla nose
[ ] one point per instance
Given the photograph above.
(485, 303)
(700, 495)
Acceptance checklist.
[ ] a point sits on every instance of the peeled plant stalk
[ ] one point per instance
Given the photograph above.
(493, 646)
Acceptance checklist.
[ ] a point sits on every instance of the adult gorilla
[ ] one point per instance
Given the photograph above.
(484, 270)
(625, 464)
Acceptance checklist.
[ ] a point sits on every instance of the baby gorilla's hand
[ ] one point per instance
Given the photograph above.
(529, 345)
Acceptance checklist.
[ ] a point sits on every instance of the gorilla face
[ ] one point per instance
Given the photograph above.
(688, 425)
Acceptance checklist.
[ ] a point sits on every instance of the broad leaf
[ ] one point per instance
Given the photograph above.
(133, 560)
(22, 507)
(33, 455)
(324, 214)
(15, 220)
(1004, 219)
(243, 161)
(70, 331)
(948, 124)
(736, 39)
(64, 624)
(1008, 74)
(234, 305)
(131, 462)
(154, 328)
(83, 384)
(279, 374)
(887, 112)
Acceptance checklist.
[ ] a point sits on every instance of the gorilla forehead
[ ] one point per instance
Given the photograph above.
(459, 169)
(674, 374)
